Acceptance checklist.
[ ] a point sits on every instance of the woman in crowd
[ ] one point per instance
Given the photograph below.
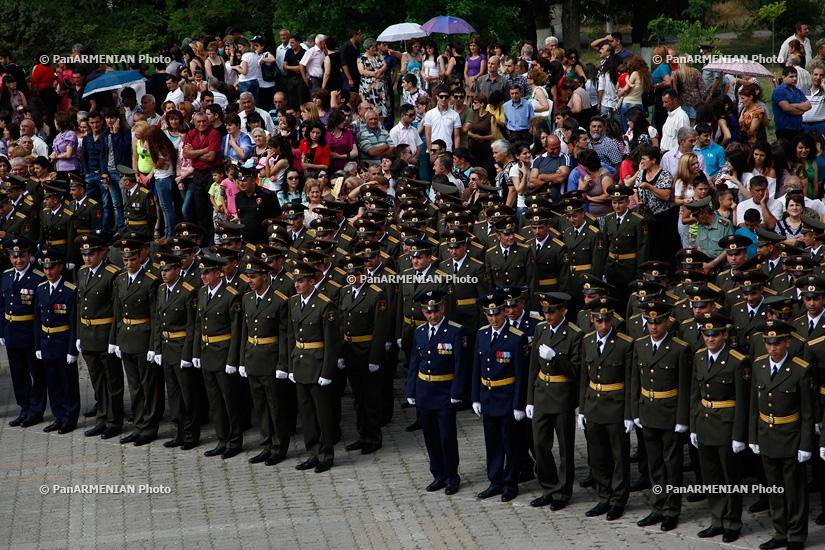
(594, 183)
(591, 82)
(519, 177)
(249, 70)
(639, 82)
(750, 119)
(689, 84)
(233, 59)
(293, 190)
(174, 119)
(411, 61)
(481, 132)
(321, 99)
(309, 113)
(495, 106)
(373, 88)
(213, 65)
(736, 174)
(333, 80)
(429, 66)
(314, 148)
(64, 147)
(639, 131)
(555, 80)
(579, 101)
(258, 136)
(478, 176)
(11, 99)
(342, 145)
(313, 194)
(163, 157)
(573, 68)
(761, 163)
(288, 129)
(278, 159)
(446, 63)
(654, 189)
(790, 226)
(475, 65)
(701, 189)
(804, 165)
(726, 131)
(538, 97)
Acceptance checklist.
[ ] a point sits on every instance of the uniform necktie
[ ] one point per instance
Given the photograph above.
(710, 362)
(770, 267)
(619, 222)
(168, 292)
(810, 328)
(655, 348)
(417, 280)
(600, 346)
(88, 276)
(257, 301)
(455, 267)
(76, 204)
(495, 335)
(432, 332)
(751, 313)
(129, 284)
(354, 294)
(538, 248)
(514, 323)
(17, 277)
(774, 370)
(209, 298)
(302, 305)
(51, 289)
(506, 253)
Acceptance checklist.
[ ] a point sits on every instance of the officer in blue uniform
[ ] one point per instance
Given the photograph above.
(55, 341)
(17, 332)
(434, 384)
(499, 395)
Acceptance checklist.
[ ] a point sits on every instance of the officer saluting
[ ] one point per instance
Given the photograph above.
(434, 384)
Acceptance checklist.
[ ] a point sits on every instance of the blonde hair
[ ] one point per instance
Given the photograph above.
(312, 109)
(558, 55)
(139, 128)
(683, 169)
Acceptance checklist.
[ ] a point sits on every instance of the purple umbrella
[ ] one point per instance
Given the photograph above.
(447, 24)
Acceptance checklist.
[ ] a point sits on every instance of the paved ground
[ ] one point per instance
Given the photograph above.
(375, 501)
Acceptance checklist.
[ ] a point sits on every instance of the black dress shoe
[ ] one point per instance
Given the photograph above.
(773, 543)
(436, 485)
(597, 510)
(587, 482)
(634, 458)
(526, 475)
(669, 523)
(189, 445)
(355, 446)
(489, 492)
(31, 421)
(371, 448)
(557, 505)
(229, 453)
(307, 464)
(97, 430)
(640, 485)
(543, 500)
(260, 457)
(508, 494)
(131, 438)
(695, 497)
(323, 467)
(172, 443)
(415, 426)
(820, 519)
(710, 532)
(274, 459)
(217, 451)
(90, 412)
(17, 421)
(759, 506)
(615, 513)
(730, 535)
(406, 405)
(144, 440)
(109, 433)
(451, 490)
(53, 427)
(64, 429)
(651, 519)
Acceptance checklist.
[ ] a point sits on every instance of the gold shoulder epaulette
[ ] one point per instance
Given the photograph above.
(624, 337)
(280, 295)
(151, 275)
(802, 363)
(485, 326)
(28, 199)
(112, 269)
(477, 261)
(144, 190)
(390, 271)
(8, 270)
(70, 286)
(67, 212)
(92, 201)
(289, 275)
(324, 298)
(232, 290)
(688, 321)
(20, 215)
(341, 271)
(700, 350)
(736, 355)
(678, 341)
(815, 341)
(38, 272)
(187, 286)
(439, 272)
(762, 357)
(376, 288)
(333, 283)
(798, 336)
(244, 278)
(454, 324)
(593, 228)
(536, 315)
(491, 248)
(634, 213)
(43, 283)
(574, 327)
(641, 338)
(558, 241)
(392, 239)
(346, 237)
(770, 291)
(516, 331)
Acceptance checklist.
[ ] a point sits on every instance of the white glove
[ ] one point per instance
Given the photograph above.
(518, 415)
(281, 374)
(118, 353)
(738, 446)
(628, 426)
(158, 359)
(242, 371)
(399, 343)
(803, 456)
(411, 401)
(818, 428)
(373, 367)
(38, 354)
(71, 358)
(150, 356)
(3, 342)
(822, 453)
(291, 377)
(455, 401)
(546, 352)
(341, 363)
(196, 362)
(387, 346)
(76, 344)
(324, 381)
(70, 266)
(581, 421)
(231, 370)
(112, 349)
(754, 448)
(637, 422)
(680, 428)
(186, 364)
(529, 411)
(694, 440)
(477, 408)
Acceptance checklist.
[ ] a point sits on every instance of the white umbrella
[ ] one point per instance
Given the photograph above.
(735, 66)
(401, 31)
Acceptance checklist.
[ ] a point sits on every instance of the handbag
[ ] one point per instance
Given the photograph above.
(269, 71)
(649, 98)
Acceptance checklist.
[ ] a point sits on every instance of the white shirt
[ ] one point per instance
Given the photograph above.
(210, 292)
(436, 327)
(775, 366)
(677, 118)
(313, 60)
(657, 344)
(670, 161)
(253, 71)
(304, 301)
(407, 136)
(53, 286)
(268, 124)
(279, 56)
(175, 97)
(600, 342)
(814, 319)
(442, 125)
(714, 356)
(458, 263)
(776, 207)
(755, 310)
(783, 51)
(817, 111)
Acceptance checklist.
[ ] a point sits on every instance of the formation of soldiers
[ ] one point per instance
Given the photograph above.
(542, 325)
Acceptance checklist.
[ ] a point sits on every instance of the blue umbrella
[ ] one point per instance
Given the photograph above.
(115, 80)
(447, 24)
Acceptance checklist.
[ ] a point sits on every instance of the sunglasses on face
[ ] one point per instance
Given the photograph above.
(443, 97)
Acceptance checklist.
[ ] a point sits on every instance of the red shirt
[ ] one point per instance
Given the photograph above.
(320, 155)
(42, 77)
(211, 141)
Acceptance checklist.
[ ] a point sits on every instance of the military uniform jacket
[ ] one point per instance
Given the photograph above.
(261, 324)
(409, 314)
(630, 239)
(192, 277)
(18, 224)
(95, 307)
(802, 326)
(485, 234)
(583, 322)
(87, 216)
(552, 272)
(56, 229)
(29, 210)
(551, 396)
(139, 210)
(636, 328)
(216, 319)
(282, 282)
(757, 346)
(55, 334)
(667, 370)
(603, 404)
(789, 393)
(174, 322)
(330, 289)
(517, 270)
(390, 288)
(304, 237)
(729, 379)
(316, 324)
(464, 308)
(777, 271)
(240, 282)
(133, 309)
(441, 357)
(368, 315)
(17, 300)
(499, 369)
(474, 249)
(813, 353)
(585, 250)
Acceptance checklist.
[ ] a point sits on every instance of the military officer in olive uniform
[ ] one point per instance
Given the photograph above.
(626, 236)
(748, 313)
(87, 214)
(552, 398)
(509, 263)
(660, 403)
(263, 339)
(587, 249)
(185, 249)
(25, 208)
(13, 224)
(365, 328)
(55, 221)
(782, 430)
(736, 253)
(313, 341)
(173, 322)
(552, 272)
(139, 210)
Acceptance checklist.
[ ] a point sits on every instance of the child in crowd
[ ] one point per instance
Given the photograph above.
(752, 220)
(230, 188)
(217, 196)
(727, 210)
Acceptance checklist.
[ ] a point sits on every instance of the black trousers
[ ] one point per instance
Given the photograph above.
(185, 396)
(664, 458)
(28, 380)
(314, 405)
(721, 466)
(223, 405)
(271, 418)
(201, 181)
(441, 439)
(367, 395)
(789, 510)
